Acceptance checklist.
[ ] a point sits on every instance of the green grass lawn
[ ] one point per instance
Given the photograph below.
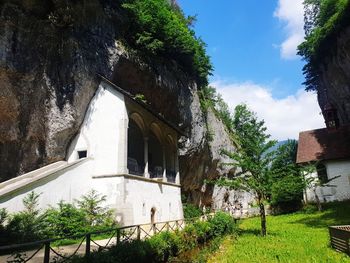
(298, 237)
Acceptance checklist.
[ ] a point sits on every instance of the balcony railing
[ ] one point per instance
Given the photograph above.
(156, 172)
(134, 168)
(171, 176)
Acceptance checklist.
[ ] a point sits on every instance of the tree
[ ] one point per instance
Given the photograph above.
(287, 178)
(254, 157)
(311, 11)
(28, 224)
(92, 205)
(320, 180)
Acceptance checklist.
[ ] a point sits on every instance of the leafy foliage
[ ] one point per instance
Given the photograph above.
(158, 28)
(161, 247)
(95, 213)
(325, 19)
(314, 182)
(221, 223)
(164, 245)
(210, 99)
(61, 221)
(191, 210)
(253, 157)
(3, 216)
(66, 220)
(287, 180)
(26, 225)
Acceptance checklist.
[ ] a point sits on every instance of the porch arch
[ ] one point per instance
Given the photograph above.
(155, 155)
(135, 148)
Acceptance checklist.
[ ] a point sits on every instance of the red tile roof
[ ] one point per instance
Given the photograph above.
(322, 144)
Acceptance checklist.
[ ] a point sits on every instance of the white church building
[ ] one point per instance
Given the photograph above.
(124, 151)
(328, 149)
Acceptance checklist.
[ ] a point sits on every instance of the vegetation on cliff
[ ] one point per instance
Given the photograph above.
(154, 28)
(324, 20)
(159, 28)
(211, 99)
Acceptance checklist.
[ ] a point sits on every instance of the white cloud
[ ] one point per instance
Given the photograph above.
(291, 13)
(284, 118)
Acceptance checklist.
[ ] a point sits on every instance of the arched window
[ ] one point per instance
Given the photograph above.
(135, 149)
(155, 156)
(170, 159)
(322, 173)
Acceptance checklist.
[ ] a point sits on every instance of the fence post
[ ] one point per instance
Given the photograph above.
(138, 233)
(167, 226)
(87, 247)
(47, 253)
(154, 229)
(118, 236)
(177, 224)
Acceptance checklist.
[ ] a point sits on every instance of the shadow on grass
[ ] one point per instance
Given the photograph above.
(255, 232)
(335, 213)
(250, 231)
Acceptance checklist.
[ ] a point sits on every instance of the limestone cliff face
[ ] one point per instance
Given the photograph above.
(201, 155)
(48, 74)
(335, 78)
(47, 80)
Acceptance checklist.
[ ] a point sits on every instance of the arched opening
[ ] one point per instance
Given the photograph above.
(135, 149)
(170, 154)
(155, 157)
(153, 215)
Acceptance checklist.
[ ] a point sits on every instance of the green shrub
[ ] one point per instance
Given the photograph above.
(24, 227)
(191, 211)
(221, 224)
(27, 225)
(203, 230)
(309, 209)
(97, 216)
(164, 245)
(65, 220)
(135, 251)
(3, 217)
(129, 252)
(188, 237)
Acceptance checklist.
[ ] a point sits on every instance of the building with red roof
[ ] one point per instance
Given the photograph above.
(329, 150)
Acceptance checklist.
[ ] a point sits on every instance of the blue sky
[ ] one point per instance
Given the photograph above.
(253, 49)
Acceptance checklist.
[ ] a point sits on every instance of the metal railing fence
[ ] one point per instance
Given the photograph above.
(120, 234)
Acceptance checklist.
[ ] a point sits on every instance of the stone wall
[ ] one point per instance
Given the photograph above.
(334, 77)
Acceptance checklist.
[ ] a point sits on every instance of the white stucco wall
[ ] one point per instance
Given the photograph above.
(131, 197)
(142, 197)
(341, 191)
(103, 132)
(103, 135)
(67, 185)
